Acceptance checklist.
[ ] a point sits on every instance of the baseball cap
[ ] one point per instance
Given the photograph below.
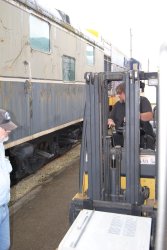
(5, 120)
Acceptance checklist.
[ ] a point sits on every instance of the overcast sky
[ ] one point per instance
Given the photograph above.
(113, 19)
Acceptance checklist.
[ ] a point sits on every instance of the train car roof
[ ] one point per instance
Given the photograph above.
(57, 16)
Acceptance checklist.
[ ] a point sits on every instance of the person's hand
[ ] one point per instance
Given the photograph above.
(111, 123)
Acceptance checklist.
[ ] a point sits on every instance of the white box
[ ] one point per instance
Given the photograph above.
(94, 230)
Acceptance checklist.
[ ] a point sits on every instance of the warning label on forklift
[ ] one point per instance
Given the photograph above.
(147, 159)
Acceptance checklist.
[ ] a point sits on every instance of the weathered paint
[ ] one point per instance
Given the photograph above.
(37, 107)
(31, 82)
(18, 59)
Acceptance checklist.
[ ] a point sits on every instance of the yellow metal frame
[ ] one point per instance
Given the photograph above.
(149, 182)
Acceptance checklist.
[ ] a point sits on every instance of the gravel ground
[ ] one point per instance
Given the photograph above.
(41, 217)
(32, 182)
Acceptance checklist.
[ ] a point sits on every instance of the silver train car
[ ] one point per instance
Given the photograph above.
(42, 66)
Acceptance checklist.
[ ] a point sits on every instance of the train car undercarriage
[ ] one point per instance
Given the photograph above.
(30, 156)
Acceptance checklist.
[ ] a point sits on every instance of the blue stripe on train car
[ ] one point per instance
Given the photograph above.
(40, 106)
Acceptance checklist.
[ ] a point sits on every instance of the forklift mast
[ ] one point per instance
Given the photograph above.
(99, 158)
(102, 165)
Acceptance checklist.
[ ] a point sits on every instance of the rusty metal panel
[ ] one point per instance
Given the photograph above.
(14, 99)
(37, 107)
(56, 104)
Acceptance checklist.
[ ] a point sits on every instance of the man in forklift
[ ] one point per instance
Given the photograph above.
(117, 120)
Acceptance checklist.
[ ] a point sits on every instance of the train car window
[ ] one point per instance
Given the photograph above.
(107, 63)
(68, 65)
(90, 55)
(39, 34)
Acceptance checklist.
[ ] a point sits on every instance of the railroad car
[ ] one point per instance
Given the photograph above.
(42, 66)
(133, 64)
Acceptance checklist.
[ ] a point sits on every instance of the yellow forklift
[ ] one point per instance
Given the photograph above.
(114, 179)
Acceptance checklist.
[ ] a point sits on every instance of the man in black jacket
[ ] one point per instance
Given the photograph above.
(117, 119)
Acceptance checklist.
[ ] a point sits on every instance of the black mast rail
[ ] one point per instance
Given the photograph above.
(104, 163)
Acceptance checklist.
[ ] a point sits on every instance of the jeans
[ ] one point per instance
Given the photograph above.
(4, 228)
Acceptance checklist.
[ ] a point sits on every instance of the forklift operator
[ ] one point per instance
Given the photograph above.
(117, 120)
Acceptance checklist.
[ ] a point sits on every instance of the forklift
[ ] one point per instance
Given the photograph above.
(116, 180)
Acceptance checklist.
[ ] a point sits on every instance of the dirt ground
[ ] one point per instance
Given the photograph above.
(40, 218)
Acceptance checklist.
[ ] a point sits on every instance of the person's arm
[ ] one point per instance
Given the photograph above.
(146, 113)
(111, 116)
(147, 116)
